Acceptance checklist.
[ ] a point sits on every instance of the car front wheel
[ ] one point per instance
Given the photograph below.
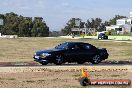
(44, 62)
(96, 59)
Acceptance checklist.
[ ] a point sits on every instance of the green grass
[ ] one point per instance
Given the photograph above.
(22, 49)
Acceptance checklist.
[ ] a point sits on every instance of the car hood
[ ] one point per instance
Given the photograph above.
(48, 51)
(101, 48)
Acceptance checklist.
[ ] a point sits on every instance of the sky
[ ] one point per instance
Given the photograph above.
(57, 12)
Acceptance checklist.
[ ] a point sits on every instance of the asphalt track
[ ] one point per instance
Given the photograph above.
(70, 67)
(33, 64)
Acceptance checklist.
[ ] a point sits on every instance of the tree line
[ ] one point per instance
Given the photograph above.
(96, 23)
(23, 26)
(36, 27)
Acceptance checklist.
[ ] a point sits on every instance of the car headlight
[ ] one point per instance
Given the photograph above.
(35, 54)
(46, 54)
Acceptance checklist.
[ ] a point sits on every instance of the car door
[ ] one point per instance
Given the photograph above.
(74, 53)
(79, 52)
(89, 51)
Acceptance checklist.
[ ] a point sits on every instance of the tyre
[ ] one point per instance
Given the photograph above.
(44, 63)
(107, 37)
(59, 60)
(85, 81)
(96, 59)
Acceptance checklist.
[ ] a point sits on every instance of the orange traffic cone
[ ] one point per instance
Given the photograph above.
(84, 81)
(85, 73)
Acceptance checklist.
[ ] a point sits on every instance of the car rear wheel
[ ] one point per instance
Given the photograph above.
(59, 60)
(96, 59)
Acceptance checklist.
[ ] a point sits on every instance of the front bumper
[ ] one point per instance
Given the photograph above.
(105, 56)
(39, 59)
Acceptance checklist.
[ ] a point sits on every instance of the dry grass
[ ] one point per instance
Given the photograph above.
(22, 49)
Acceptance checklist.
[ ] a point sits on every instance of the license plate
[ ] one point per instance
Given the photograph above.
(37, 57)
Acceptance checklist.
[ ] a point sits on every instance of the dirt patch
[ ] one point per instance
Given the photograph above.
(59, 76)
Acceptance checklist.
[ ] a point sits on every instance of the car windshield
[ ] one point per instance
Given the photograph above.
(63, 46)
(102, 34)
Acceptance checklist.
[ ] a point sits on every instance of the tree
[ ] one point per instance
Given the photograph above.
(72, 23)
(23, 26)
(1, 17)
(10, 23)
(40, 29)
(113, 20)
(106, 23)
(94, 23)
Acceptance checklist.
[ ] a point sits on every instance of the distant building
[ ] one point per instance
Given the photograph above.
(123, 26)
(130, 14)
(8, 36)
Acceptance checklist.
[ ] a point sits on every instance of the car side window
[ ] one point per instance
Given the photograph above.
(76, 46)
(87, 47)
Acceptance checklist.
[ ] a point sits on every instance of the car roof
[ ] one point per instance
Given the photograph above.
(77, 42)
(102, 33)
